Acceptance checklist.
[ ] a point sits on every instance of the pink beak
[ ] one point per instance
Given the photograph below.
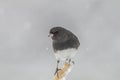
(50, 35)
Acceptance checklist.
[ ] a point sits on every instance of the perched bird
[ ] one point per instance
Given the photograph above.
(65, 44)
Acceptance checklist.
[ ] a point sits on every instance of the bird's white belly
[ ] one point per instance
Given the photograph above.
(64, 54)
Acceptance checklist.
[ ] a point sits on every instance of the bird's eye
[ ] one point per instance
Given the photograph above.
(54, 32)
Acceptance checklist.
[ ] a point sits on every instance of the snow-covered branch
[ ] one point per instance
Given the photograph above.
(61, 74)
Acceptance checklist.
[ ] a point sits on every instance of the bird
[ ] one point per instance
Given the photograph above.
(65, 44)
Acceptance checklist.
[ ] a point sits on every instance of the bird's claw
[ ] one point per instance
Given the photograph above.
(73, 62)
(69, 61)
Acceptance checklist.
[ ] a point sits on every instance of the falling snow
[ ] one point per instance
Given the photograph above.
(26, 51)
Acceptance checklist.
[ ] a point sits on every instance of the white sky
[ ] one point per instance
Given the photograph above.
(26, 51)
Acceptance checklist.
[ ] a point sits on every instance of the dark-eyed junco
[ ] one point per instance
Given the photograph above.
(65, 43)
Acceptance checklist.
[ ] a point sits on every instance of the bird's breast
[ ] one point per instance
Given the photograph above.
(64, 54)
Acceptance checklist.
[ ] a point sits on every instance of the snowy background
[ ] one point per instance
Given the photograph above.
(26, 51)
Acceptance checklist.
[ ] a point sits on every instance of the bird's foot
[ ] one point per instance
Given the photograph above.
(69, 61)
(73, 62)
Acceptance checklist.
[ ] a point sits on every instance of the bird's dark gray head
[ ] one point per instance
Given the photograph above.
(63, 39)
(59, 34)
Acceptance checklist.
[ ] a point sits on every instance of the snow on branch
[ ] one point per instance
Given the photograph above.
(62, 73)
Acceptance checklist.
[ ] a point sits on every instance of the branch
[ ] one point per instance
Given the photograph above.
(60, 75)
